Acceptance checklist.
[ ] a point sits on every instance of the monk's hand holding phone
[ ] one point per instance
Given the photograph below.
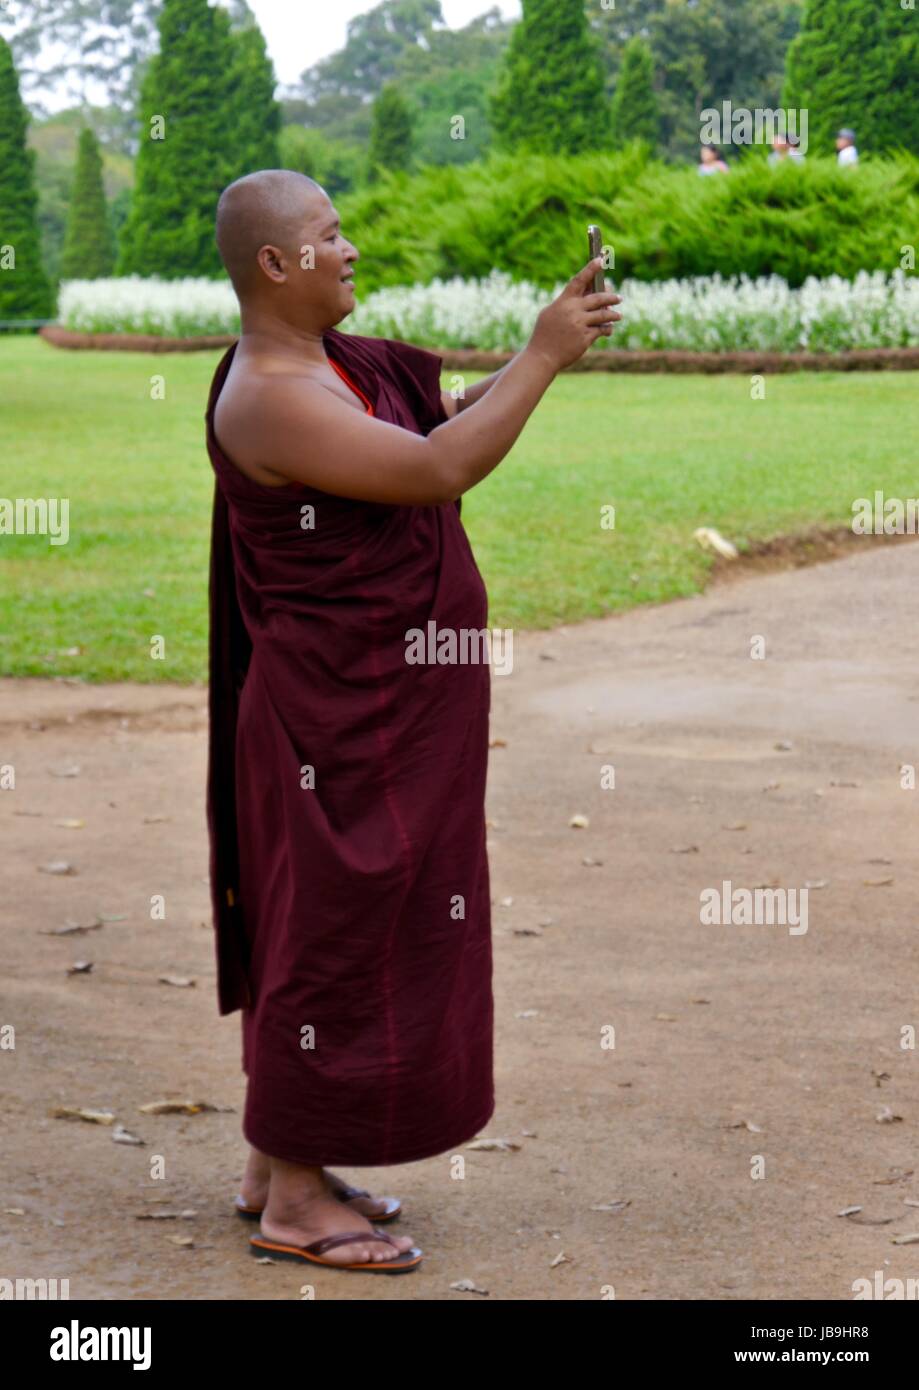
(580, 315)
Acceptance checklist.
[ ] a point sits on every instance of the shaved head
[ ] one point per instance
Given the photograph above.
(269, 207)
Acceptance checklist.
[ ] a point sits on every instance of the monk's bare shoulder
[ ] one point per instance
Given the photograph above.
(254, 397)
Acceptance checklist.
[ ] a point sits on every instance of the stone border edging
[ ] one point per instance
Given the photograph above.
(604, 360)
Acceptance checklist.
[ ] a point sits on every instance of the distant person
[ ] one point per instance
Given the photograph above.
(710, 161)
(846, 153)
(785, 147)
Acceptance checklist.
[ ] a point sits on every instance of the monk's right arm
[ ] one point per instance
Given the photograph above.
(296, 429)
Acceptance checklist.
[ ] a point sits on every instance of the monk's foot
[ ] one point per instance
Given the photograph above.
(254, 1188)
(302, 1220)
(367, 1206)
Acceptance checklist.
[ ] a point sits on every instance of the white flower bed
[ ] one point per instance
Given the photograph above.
(702, 315)
(165, 308)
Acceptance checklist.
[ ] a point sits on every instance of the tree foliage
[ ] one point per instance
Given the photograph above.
(635, 111)
(89, 251)
(186, 149)
(550, 96)
(24, 289)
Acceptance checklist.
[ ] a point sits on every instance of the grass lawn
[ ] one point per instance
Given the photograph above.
(670, 453)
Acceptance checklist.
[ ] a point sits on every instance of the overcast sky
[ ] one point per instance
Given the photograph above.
(299, 35)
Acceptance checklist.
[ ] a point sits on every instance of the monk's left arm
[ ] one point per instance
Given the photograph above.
(452, 404)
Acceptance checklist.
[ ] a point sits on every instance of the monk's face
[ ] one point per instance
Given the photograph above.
(322, 262)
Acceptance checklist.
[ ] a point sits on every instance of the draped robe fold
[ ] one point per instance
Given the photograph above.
(345, 801)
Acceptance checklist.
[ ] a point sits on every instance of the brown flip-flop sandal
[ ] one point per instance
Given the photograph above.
(344, 1194)
(399, 1264)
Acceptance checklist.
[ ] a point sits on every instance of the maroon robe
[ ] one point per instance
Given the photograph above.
(352, 916)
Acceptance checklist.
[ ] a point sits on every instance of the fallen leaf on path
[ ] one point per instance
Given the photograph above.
(71, 928)
(121, 1135)
(494, 1145)
(467, 1286)
(880, 1076)
(66, 770)
(57, 866)
(906, 1240)
(589, 862)
(746, 1124)
(710, 539)
(880, 860)
(613, 1206)
(560, 1259)
(685, 849)
(497, 743)
(527, 1013)
(877, 882)
(737, 825)
(14, 1211)
(155, 820)
(180, 981)
(666, 1018)
(181, 1107)
(896, 1175)
(80, 967)
(844, 784)
(816, 883)
(885, 1116)
(848, 1211)
(527, 931)
(579, 822)
(181, 1240)
(772, 786)
(70, 824)
(94, 1117)
(113, 916)
(186, 1215)
(507, 902)
(784, 745)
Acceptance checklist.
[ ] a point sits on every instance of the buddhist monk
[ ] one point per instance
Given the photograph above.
(346, 783)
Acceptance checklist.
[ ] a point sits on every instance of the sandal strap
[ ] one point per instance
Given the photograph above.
(345, 1194)
(319, 1247)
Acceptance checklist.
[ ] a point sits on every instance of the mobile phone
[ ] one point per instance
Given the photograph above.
(595, 246)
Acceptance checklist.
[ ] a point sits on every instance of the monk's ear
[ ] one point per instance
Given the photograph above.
(271, 262)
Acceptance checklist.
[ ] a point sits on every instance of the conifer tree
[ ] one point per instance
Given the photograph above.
(89, 251)
(391, 135)
(635, 112)
(551, 96)
(186, 155)
(25, 292)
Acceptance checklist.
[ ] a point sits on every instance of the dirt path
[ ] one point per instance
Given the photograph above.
(716, 1027)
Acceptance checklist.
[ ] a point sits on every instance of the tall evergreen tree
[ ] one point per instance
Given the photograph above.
(24, 289)
(838, 70)
(391, 136)
(255, 116)
(89, 250)
(550, 96)
(900, 104)
(635, 112)
(186, 143)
